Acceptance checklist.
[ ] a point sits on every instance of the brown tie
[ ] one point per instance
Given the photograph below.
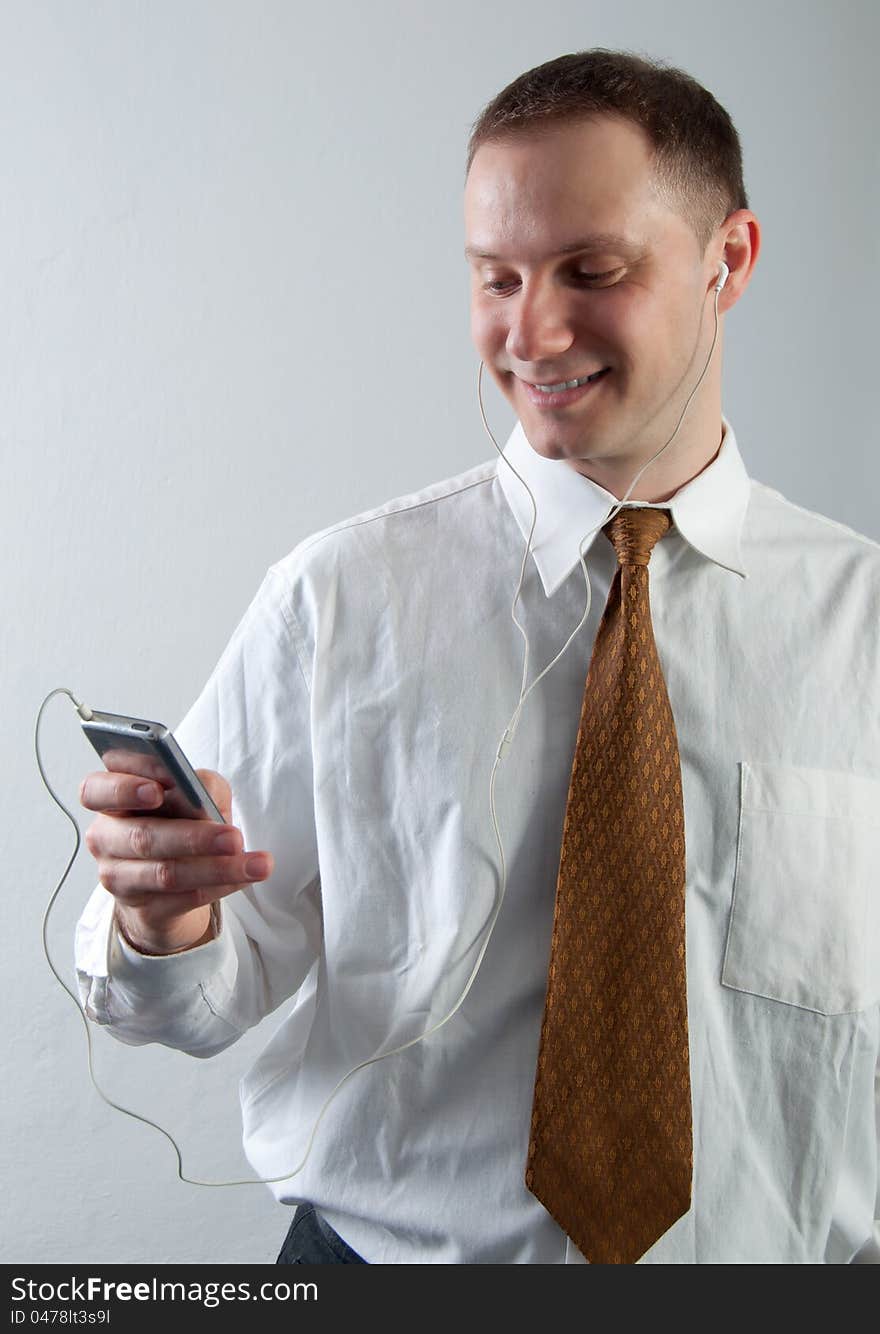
(611, 1143)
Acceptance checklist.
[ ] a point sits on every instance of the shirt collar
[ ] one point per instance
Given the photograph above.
(708, 510)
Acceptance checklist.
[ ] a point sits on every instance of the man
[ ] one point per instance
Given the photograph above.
(352, 729)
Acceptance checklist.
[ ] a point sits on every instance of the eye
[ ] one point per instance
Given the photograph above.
(497, 285)
(596, 278)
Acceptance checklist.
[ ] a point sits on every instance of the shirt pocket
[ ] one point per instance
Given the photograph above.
(804, 915)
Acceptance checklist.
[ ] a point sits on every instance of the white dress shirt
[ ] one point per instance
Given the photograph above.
(356, 713)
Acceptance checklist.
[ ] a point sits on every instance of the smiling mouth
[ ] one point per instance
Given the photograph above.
(567, 394)
(559, 386)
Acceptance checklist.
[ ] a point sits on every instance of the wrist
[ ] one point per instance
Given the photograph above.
(160, 951)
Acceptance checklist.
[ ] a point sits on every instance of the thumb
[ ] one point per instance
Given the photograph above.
(219, 791)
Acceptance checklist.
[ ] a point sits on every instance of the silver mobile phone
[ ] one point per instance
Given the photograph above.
(138, 746)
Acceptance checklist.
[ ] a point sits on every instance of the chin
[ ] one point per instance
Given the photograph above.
(559, 434)
(545, 441)
(548, 448)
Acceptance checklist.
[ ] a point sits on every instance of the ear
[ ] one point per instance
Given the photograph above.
(738, 246)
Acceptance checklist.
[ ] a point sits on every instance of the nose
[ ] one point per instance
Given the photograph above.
(540, 325)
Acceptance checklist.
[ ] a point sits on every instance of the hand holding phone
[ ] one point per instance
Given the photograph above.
(164, 840)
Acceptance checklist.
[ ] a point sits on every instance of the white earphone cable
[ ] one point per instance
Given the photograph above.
(504, 742)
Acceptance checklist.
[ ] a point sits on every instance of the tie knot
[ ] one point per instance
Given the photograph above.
(634, 532)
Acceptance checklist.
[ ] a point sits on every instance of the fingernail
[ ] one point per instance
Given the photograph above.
(147, 793)
(227, 842)
(255, 866)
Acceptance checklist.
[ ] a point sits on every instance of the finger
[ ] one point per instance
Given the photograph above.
(103, 791)
(148, 838)
(129, 880)
(154, 911)
(218, 790)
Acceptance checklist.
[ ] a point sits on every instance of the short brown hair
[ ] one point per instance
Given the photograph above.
(697, 157)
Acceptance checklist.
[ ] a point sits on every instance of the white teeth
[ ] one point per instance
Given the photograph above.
(565, 384)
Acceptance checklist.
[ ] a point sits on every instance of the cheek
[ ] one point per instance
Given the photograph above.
(621, 318)
(487, 329)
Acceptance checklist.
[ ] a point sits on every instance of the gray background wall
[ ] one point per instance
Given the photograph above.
(235, 310)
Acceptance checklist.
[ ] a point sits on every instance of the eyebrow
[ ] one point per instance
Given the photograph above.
(597, 241)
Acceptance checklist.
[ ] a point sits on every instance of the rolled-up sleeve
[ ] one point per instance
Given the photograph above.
(252, 723)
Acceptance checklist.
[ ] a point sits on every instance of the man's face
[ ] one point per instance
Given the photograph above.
(541, 316)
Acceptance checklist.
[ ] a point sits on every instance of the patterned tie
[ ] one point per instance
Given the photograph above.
(611, 1142)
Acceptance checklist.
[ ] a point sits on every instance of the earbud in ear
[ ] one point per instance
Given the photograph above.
(723, 275)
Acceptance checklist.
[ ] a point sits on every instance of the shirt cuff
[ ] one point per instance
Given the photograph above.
(161, 974)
